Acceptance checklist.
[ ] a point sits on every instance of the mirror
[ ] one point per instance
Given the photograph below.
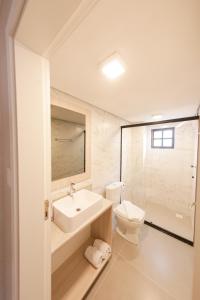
(68, 143)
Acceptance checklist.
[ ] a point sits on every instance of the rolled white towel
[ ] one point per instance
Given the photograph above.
(94, 256)
(103, 247)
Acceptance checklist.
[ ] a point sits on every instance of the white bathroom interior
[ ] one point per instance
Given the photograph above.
(108, 121)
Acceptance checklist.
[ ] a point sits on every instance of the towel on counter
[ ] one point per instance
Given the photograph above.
(94, 256)
(103, 247)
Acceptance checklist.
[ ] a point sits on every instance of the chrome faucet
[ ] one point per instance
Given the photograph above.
(72, 189)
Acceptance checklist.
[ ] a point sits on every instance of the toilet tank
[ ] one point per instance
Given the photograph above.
(113, 192)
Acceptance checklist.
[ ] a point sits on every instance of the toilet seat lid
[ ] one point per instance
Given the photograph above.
(129, 211)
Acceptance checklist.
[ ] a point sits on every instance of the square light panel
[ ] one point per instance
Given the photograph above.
(113, 67)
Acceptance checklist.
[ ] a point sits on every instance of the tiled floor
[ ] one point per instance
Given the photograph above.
(159, 269)
(166, 218)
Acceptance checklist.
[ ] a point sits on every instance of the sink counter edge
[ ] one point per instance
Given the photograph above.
(59, 237)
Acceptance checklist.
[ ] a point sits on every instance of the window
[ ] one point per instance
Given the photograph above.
(162, 138)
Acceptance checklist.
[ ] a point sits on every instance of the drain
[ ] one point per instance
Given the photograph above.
(78, 209)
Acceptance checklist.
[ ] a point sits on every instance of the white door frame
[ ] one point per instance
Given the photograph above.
(10, 12)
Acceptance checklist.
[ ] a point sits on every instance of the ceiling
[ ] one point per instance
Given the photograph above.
(42, 20)
(64, 114)
(159, 42)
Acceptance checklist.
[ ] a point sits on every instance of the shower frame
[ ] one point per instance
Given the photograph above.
(159, 123)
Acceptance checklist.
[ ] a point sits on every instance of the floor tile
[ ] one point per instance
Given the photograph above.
(124, 282)
(160, 267)
(165, 260)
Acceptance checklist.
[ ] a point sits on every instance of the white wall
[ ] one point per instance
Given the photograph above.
(162, 176)
(33, 100)
(105, 143)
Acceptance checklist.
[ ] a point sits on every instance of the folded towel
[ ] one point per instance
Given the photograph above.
(103, 247)
(94, 256)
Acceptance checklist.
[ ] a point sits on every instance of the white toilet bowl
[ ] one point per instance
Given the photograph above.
(129, 219)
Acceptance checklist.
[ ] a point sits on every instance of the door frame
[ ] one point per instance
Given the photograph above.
(10, 12)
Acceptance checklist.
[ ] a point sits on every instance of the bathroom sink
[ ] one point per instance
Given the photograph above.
(71, 212)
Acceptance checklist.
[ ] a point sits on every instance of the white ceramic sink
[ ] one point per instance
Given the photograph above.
(71, 212)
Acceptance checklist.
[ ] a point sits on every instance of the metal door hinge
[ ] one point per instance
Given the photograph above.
(46, 209)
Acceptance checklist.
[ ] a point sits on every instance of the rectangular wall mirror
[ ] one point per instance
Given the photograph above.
(70, 149)
(67, 143)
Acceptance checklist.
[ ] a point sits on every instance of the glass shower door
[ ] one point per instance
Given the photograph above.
(159, 171)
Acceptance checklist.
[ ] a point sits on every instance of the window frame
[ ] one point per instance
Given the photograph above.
(162, 138)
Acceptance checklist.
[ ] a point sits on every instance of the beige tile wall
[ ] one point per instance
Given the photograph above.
(105, 143)
(161, 176)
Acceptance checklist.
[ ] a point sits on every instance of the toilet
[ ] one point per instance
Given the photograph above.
(129, 217)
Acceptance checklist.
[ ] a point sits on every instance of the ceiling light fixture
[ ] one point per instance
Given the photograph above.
(157, 117)
(113, 67)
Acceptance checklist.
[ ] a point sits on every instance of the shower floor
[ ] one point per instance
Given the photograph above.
(166, 218)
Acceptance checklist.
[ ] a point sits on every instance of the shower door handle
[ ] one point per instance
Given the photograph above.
(193, 204)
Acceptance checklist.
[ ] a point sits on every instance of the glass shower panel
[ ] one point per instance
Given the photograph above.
(159, 172)
(133, 160)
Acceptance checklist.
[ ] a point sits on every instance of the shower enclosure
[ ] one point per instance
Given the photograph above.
(158, 167)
